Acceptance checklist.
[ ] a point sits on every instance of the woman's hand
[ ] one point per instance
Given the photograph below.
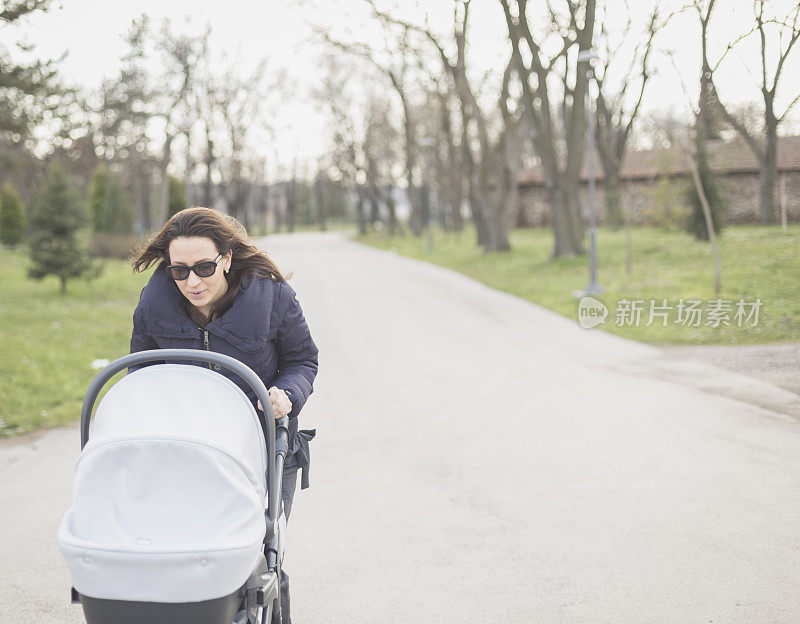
(281, 405)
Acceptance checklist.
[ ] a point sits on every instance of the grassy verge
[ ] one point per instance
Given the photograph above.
(48, 341)
(758, 262)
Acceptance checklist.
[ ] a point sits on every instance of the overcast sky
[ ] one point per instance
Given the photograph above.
(90, 31)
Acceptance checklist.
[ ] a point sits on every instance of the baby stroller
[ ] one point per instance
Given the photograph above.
(175, 515)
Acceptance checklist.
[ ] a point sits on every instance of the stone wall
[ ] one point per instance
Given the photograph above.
(663, 201)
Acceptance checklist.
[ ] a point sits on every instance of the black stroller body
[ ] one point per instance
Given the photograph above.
(176, 505)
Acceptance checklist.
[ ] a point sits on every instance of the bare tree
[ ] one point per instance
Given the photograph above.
(543, 78)
(205, 110)
(382, 152)
(238, 101)
(396, 66)
(659, 129)
(363, 143)
(452, 172)
(181, 54)
(493, 164)
(208, 161)
(442, 170)
(346, 147)
(706, 127)
(766, 151)
(126, 108)
(617, 109)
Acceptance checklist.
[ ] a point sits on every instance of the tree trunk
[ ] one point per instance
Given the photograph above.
(374, 205)
(416, 221)
(454, 181)
(244, 189)
(766, 194)
(563, 181)
(497, 183)
(209, 161)
(63, 284)
(141, 185)
(163, 209)
(469, 170)
(360, 216)
(507, 172)
(410, 163)
(425, 206)
(320, 192)
(233, 199)
(500, 220)
(391, 211)
(709, 224)
(491, 186)
(234, 207)
(704, 122)
(291, 205)
(455, 206)
(767, 177)
(613, 196)
(277, 198)
(188, 173)
(567, 238)
(570, 179)
(477, 208)
(487, 234)
(521, 219)
(456, 191)
(574, 215)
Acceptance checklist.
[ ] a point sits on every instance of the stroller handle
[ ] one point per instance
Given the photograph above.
(209, 357)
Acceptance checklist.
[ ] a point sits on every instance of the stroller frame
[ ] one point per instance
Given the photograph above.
(258, 600)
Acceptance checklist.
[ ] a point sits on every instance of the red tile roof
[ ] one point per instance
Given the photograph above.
(726, 158)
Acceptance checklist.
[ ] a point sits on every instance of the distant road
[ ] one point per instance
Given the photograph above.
(481, 459)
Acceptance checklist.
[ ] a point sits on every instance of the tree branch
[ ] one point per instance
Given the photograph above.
(788, 108)
(736, 123)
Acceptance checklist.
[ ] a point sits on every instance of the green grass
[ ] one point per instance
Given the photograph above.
(757, 262)
(48, 341)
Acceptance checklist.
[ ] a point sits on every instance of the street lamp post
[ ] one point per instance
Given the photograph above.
(587, 56)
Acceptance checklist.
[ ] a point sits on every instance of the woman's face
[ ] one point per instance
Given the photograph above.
(202, 292)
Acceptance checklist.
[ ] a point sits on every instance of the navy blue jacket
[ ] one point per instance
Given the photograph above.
(264, 328)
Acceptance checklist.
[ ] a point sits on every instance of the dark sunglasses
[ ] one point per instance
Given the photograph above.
(206, 268)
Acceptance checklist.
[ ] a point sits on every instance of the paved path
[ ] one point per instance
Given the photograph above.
(777, 363)
(480, 459)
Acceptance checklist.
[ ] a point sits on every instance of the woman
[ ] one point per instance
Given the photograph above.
(212, 290)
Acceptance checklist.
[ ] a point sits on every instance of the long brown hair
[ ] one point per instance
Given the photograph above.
(228, 235)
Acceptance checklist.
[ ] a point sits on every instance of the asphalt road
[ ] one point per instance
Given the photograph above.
(480, 459)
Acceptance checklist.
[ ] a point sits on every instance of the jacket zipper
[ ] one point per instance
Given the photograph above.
(205, 344)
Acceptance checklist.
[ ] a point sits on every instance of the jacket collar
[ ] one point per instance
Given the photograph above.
(246, 324)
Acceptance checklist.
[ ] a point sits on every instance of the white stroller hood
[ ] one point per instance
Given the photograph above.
(169, 492)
